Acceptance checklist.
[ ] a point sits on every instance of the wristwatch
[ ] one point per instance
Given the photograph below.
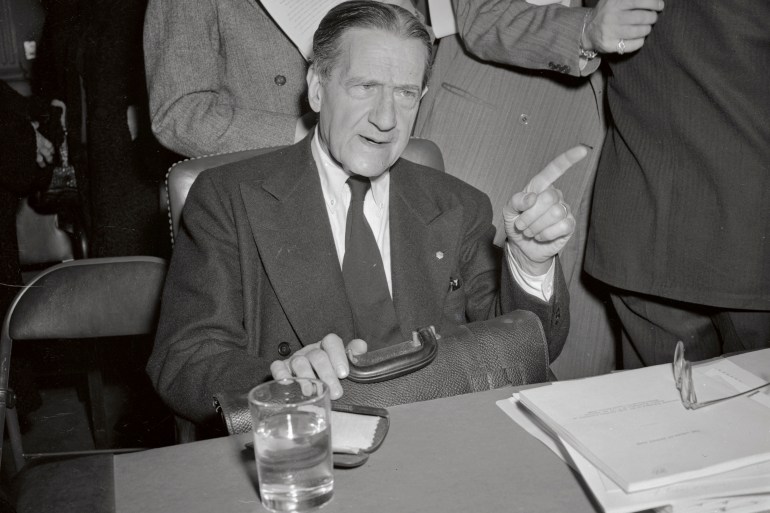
(582, 52)
(587, 54)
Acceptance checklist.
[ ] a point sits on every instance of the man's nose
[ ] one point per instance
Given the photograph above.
(383, 114)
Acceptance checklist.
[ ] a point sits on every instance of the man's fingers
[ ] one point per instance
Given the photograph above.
(541, 213)
(300, 366)
(356, 347)
(633, 32)
(333, 346)
(324, 368)
(634, 18)
(555, 169)
(280, 370)
(651, 5)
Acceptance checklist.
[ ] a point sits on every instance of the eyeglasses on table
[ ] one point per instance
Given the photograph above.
(684, 382)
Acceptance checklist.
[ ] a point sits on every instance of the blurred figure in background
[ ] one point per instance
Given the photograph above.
(24, 169)
(90, 58)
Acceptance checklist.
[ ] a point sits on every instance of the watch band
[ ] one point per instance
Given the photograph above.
(582, 52)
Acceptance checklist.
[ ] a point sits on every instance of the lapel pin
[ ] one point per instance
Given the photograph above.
(439, 254)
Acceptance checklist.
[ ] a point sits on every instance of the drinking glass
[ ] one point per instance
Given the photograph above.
(291, 421)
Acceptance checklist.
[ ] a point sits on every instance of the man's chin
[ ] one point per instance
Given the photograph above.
(372, 166)
(369, 171)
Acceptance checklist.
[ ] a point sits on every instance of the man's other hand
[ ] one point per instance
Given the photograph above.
(613, 21)
(538, 223)
(327, 360)
(44, 153)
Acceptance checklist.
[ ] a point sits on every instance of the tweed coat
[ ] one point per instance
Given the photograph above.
(255, 274)
(507, 95)
(221, 76)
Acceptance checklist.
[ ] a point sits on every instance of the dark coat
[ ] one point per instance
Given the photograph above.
(680, 205)
(19, 176)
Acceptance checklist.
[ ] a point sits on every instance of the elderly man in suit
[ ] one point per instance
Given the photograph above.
(274, 270)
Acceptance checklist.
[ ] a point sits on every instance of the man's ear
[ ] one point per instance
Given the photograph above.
(314, 89)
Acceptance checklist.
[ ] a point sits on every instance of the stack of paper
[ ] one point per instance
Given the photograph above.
(637, 447)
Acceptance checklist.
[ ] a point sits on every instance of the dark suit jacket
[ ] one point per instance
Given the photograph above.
(255, 272)
(680, 205)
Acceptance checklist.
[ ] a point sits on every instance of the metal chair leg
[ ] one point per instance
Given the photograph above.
(101, 433)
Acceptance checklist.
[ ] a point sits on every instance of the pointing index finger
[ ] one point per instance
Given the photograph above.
(555, 169)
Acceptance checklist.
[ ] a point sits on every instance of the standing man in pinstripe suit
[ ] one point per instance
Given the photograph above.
(518, 84)
(681, 215)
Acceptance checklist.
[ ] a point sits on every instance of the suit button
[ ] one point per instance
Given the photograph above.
(523, 119)
(280, 80)
(284, 349)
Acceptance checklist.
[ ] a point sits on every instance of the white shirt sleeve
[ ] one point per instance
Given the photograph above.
(539, 286)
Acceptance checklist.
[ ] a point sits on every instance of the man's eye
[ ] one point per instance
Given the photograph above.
(407, 97)
(360, 90)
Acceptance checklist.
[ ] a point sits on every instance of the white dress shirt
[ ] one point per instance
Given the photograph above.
(376, 210)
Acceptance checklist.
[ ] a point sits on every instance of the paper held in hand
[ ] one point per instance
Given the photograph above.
(299, 20)
(633, 426)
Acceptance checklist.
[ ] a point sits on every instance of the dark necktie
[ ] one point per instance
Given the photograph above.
(365, 282)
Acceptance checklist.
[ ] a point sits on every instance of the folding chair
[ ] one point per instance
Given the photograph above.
(80, 299)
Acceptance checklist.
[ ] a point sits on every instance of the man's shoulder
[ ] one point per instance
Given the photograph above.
(418, 184)
(439, 183)
(252, 165)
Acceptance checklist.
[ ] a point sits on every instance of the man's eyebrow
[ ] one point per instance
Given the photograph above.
(364, 80)
(360, 80)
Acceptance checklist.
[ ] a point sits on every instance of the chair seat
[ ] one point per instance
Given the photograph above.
(72, 485)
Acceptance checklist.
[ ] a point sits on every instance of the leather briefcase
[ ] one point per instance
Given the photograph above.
(509, 350)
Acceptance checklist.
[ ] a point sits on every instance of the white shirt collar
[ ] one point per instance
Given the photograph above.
(333, 177)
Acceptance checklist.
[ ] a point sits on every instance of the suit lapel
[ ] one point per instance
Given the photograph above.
(424, 242)
(291, 229)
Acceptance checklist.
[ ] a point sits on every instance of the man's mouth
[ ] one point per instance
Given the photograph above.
(373, 141)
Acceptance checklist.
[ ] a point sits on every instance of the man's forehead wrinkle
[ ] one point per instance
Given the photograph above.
(367, 70)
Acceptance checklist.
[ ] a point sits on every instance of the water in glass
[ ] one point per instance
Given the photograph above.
(294, 461)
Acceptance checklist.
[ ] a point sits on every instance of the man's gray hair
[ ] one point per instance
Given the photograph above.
(365, 14)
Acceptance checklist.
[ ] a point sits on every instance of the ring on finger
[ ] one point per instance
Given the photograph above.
(566, 209)
(621, 47)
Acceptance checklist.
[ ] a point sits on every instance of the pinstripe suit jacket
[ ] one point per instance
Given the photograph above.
(505, 98)
(682, 208)
(255, 273)
(221, 76)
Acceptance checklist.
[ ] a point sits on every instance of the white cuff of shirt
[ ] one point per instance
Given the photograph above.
(539, 286)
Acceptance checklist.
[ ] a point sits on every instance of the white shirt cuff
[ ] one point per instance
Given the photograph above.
(539, 286)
